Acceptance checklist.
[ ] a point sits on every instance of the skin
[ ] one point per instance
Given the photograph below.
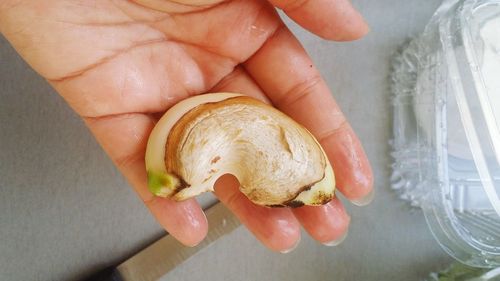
(121, 64)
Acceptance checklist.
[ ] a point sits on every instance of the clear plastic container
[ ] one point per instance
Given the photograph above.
(446, 145)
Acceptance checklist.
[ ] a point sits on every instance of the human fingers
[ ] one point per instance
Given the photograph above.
(327, 224)
(331, 19)
(124, 138)
(276, 228)
(285, 72)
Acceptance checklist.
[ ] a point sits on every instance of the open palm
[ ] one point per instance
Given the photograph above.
(120, 64)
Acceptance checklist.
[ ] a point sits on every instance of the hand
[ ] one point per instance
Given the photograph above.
(121, 64)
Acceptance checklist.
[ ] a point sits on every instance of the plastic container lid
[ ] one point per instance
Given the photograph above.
(446, 145)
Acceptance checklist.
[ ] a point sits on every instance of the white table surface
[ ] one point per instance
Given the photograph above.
(65, 211)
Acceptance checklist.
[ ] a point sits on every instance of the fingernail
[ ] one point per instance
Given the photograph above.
(336, 241)
(365, 200)
(367, 29)
(292, 248)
